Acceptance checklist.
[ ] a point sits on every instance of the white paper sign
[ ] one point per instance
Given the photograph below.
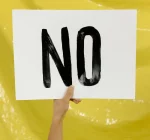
(104, 39)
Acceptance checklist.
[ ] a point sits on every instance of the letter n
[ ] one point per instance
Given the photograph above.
(49, 48)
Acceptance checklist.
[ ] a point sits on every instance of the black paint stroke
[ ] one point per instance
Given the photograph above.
(49, 48)
(96, 60)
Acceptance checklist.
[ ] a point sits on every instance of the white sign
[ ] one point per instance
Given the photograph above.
(95, 50)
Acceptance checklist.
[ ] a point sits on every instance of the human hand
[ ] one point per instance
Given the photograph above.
(61, 106)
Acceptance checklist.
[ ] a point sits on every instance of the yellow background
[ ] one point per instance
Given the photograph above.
(91, 119)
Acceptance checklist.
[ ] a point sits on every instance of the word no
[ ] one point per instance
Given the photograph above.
(65, 70)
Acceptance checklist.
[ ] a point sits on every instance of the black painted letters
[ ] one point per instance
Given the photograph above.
(49, 48)
(65, 70)
(96, 62)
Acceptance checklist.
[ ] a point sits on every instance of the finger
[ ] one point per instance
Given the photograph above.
(76, 100)
(69, 93)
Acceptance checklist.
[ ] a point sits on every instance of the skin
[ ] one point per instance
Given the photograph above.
(60, 107)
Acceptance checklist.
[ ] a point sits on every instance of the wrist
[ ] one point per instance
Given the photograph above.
(57, 119)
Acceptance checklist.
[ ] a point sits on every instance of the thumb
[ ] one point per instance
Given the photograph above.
(69, 93)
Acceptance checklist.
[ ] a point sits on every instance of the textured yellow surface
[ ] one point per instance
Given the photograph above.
(91, 119)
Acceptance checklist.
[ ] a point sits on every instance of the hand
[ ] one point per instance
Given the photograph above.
(61, 106)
